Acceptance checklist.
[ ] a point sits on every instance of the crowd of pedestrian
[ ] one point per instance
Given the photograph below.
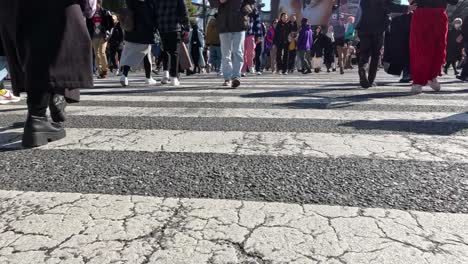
(83, 38)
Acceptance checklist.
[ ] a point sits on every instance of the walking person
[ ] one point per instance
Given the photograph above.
(259, 58)
(374, 22)
(6, 96)
(196, 46)
(331, 35)
(139, 40)
(270, 47)
(340, 44)
(454, 46)
(116, 44)
(317, 51)
(172, 22)
(350, 35)
(233, 21)
(99, 27)
(428, 51)
(464, 74)
(214, 44)
(252, 37)
(328, 52)
(51, 74)
(281, 41)
(304, 44)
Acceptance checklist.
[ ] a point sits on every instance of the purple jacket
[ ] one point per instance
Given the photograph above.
(305, 39)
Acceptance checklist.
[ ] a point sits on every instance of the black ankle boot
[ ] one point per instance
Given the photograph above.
(38, 131)
(363, 81)
(57, 106)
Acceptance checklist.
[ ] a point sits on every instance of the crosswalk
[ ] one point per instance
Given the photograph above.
(285, 169)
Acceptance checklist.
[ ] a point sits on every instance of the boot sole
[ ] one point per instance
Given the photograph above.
(38, 139)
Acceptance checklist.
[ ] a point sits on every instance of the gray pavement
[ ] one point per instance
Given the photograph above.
(285, 169)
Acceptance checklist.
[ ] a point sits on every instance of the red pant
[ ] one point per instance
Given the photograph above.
(249, 53)
(428, 43)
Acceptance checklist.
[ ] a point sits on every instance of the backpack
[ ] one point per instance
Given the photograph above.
(127, 19)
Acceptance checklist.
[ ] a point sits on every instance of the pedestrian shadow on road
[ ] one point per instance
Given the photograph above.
(439, 127)
(10, 141)
(322, 102)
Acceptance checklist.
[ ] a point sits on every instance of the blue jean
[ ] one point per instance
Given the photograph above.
(3, 68)
(232, 50)
(215, 57)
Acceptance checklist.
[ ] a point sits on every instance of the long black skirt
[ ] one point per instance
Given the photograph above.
(47, 45)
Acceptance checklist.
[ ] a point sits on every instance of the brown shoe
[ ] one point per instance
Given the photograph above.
(102, 75)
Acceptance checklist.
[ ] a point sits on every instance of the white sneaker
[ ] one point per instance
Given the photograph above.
(227, 83)
(244, 74)
(124, 81)
(175, 82)
(259, 73)
(8, 97)
(165, 78)
(150, 81)
(434, 84)
(416, 88)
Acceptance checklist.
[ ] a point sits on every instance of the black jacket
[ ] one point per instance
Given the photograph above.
(454, 49)
(108, 21)
(117, 37)
(234, 15)
(171, 16)
(465, 29)
(282, 32)
(319, 45)
(143, 13)
(434, 3)
(374, 15)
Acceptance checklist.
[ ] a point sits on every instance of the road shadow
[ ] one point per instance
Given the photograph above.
(10, 141)
(438, 127)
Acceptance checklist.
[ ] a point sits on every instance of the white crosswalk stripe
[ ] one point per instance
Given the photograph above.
(97, 212)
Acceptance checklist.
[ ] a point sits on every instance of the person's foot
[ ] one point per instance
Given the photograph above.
(334, 70)
(434, 84)
(165, 78)
(38, 131)
(227, 83)
(328, 71)
(317, 70)
(124, 81)
(150, 81)
(405, 80)
(416, 88)
(57, 104)
(456, 72)
(341, 70)
(103, 75)
(363, 81)
(175, 81)
(463, 79)
(285, 73)
(235, 83)
(445, 71)
(8, 97)
(244, 74)
(259, 73)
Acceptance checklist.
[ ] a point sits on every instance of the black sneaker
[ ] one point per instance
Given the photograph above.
(235, 83)
(463, 79)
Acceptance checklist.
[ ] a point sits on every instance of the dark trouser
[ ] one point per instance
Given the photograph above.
(464, 73)
(282, 54)
(146, 65)
(258, 57)
(171, 44)
(115, 55)
(292, 60)
(371, 44)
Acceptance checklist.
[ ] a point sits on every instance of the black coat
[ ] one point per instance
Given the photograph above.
(46, 52)
(234, 15)
(465, 29)
(374, 15)
(397, 45)
(282, 32)
(116, 38)
(144, 27)
(318, 47)
(454, 49)
(434, 3)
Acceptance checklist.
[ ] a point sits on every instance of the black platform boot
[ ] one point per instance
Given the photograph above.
(57, 106)
(38, 131)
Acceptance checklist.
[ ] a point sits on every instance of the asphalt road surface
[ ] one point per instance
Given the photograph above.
(285, 169)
